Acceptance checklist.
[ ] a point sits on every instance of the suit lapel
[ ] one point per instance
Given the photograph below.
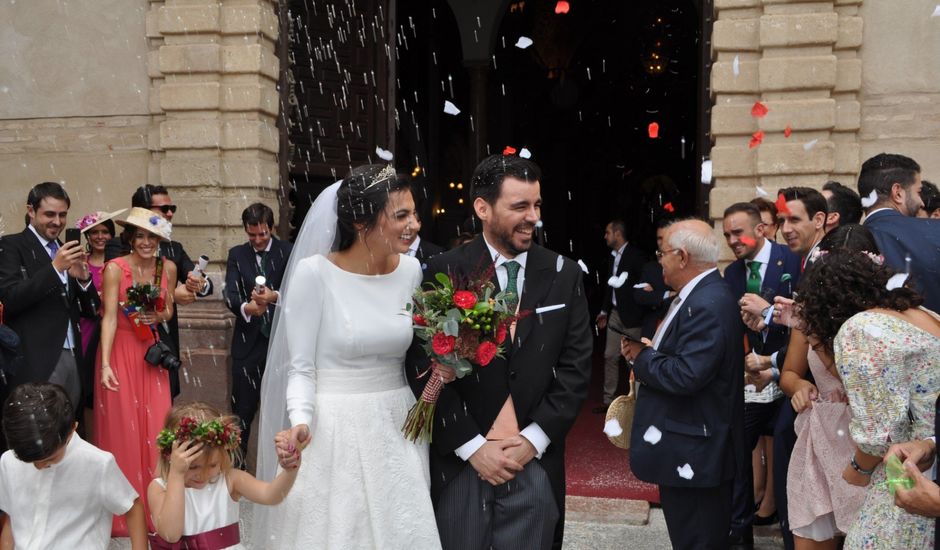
(539, 276)
(774, 271)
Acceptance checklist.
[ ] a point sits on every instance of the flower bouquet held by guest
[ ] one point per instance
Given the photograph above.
(459, 328)
(335, 366)
(887, 352)
(194, 502)
(134, 395)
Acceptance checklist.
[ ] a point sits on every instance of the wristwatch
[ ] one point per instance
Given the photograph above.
(861, 470)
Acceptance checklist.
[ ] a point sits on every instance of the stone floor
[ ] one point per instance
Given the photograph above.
(604, 524)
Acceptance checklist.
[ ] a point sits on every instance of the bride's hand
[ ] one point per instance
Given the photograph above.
(290, 443)
(447, 374)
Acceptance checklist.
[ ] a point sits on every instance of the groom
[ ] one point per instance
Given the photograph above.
(498, 450)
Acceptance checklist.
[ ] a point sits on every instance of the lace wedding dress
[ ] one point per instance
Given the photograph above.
(361, 483)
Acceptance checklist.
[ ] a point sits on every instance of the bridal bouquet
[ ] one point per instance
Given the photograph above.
(140, 298)
(459, 328)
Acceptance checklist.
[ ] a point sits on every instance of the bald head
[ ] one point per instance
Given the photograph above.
(690, 247)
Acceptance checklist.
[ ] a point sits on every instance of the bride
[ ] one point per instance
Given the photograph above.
(336, 368)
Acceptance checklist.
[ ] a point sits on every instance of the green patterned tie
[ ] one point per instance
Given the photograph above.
(512, 269)
(753, 278)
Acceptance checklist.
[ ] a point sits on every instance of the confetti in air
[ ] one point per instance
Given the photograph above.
(653, 130)
(612, 428)
(652, 435)
(810, 144)
(736, 66)
(781, 205)
(761, 192)
(584, 267)
(509, 150)
(450, 108)
(384, 154)
(759, 110)
(668, 207)
(685, 472)
(896, 281)
(787, 131)
(617, 282)
(640, 285)
(525, 153)
(523, 42)
(871, 199)
(756, 139)
(562, 7)
(539, 223)
(936, 11)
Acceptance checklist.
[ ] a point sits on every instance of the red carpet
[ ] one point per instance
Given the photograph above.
(594, 467)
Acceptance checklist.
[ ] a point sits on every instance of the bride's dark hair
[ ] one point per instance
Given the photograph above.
(362, 197)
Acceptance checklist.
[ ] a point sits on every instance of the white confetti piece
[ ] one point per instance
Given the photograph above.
(450, 108)
(750, 388)
(525, 153)
(810, 144)
(761, 192)
(936, 11)
(617, 281)
(559, 263)
(652, 435)
(612, 428)
(640, 285)
(523, 42)
(840, 432)
(706, 172)
(871, 199)
(736, 65)
(584, 266)
(685, 471)
(896, 281)
(546, 309)
(384, 154)
(539, 223)
(873, 331)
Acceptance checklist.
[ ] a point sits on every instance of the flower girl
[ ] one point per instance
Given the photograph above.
(194, 502)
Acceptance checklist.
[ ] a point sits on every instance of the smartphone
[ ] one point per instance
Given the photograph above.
(73, 234)
(627, 336)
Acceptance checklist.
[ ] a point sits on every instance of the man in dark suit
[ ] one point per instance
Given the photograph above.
(762, 268)
(619, 312)
(190, 282)
(497, 456)
(687, 431)
(253, 307)
(651, 293)
(894, 182)
(45, 286)
(421, 249)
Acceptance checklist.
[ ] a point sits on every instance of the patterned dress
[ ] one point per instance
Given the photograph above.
(891, 372)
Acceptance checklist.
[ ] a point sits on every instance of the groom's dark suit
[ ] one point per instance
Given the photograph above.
(546, 369)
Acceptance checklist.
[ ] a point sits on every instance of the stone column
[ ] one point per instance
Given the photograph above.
(214, 98)
(801, 60)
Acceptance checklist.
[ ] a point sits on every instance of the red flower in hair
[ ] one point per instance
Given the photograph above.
(465, 299)
(485, 353)
(442, 344)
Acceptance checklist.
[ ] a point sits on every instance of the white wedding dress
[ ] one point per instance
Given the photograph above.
(361, 484)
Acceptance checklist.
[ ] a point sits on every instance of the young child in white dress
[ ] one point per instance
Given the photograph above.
(194, 502)
(58, 490)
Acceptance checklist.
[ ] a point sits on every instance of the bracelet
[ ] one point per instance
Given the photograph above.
(861, 470)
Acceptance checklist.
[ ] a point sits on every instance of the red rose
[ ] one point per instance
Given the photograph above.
(485, 353)
(442, 344)
(419, 320)
(465, 299)
(160, 304)
(501, 333)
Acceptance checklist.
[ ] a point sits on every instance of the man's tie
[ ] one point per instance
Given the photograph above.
(753, 278)
(667, 319)
(265, 319)
(53, 247)
(512, 270)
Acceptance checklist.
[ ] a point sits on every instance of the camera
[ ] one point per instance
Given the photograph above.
(160, 355)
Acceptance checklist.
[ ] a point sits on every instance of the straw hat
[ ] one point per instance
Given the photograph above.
(148, 221)
(622, 409)
(96, 218)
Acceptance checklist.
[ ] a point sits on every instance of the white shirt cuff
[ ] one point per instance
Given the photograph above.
(63, 276)
(537, 437)
(773, 360)
(245, 316)
(466, 450)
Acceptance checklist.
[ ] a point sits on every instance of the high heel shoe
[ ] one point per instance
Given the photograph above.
(765, 520)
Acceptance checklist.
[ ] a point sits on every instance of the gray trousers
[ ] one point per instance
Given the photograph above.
(612, 357)
(65, 374)
(474, 515)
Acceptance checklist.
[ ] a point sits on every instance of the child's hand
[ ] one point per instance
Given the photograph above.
(183, 455)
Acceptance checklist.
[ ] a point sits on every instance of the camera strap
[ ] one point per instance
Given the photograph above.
(157, 275)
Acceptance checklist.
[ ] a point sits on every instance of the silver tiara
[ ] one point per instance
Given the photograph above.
(387, 173)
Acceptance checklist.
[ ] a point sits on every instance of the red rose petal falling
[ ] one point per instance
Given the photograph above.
(759, 110)
(756, 139)
(668, 207)
(509, 150)
(781, 205)
(747, 241)
(562, 7)
(653, 130)
(787, 131)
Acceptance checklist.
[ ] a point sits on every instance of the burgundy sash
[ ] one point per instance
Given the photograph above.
(216, 539)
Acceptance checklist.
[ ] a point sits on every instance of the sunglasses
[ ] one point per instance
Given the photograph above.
(166, 208)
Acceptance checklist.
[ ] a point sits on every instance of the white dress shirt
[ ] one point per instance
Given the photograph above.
(617, 254)
(245, 316)
(677, 305)
(413, 249)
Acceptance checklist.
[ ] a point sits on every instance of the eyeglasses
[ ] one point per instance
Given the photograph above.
(661, 253)
(166, 208)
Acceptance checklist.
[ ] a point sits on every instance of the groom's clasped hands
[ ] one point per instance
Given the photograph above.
(498, 461)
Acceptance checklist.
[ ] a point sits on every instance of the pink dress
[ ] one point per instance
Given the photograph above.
(821, 504)
(128, 421)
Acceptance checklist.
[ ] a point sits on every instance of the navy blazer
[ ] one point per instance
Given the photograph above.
(898, 236)
(240, 272)
(782, 262)
(653, 303)
(631, 261)
(692, 392)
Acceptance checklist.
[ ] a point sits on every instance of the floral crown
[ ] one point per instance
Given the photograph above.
(217, 433)
(876, 259)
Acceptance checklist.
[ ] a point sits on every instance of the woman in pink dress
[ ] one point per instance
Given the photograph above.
(133, 396)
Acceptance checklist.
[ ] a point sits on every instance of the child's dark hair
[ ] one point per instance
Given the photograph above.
(37, 420)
